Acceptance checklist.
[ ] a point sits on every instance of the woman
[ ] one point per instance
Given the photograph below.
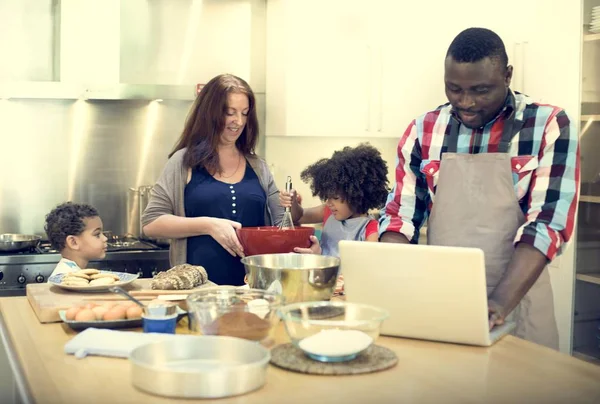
(214, 183)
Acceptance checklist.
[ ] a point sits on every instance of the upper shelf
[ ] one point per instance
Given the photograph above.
(589, 277)
(589, 198)
(591, 37)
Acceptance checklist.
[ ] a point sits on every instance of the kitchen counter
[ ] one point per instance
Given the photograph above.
(511, 371)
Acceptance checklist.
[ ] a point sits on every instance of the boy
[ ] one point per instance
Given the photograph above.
(76, 231)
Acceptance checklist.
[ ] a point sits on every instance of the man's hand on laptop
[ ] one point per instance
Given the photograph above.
(495, 314)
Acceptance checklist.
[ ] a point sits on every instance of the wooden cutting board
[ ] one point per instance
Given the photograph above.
(47, 300)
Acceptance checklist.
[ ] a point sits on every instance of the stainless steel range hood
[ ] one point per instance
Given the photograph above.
(136, 49)
(59, 90)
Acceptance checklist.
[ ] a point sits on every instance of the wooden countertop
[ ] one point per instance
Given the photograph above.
(512, 371)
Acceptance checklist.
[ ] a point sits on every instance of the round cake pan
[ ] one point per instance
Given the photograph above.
(199, 367)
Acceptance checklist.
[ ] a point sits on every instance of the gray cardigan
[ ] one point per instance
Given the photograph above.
(167, 198)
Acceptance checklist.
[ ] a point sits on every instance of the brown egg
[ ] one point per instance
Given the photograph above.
(116, 313)
(134, 312)
(72, 312)
(85, 315)
(99, 311)
(109, 305)
(90, 305)
(120, 307)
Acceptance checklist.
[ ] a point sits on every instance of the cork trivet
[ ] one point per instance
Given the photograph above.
(374, 359)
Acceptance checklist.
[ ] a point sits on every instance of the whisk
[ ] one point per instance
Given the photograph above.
(288, 221)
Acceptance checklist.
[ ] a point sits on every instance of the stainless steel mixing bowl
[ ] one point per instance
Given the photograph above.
(298, 277)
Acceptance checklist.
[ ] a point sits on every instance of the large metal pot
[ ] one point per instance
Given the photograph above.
(137, 200)
(298, 277)
(18, 242)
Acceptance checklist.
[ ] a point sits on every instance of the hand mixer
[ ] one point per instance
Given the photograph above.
(288, 221)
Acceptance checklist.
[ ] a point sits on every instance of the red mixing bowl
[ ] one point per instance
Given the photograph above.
(272, 240)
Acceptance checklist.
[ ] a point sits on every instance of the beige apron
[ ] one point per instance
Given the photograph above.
(476, 206)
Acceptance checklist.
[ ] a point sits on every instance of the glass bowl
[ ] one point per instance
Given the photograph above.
(236, 312)
(332, 331)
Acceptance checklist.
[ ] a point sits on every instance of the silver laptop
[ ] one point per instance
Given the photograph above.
(432, 293)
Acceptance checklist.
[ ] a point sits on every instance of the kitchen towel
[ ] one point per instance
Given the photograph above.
(112, 343)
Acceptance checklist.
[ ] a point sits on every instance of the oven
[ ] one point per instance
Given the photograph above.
(18, 269)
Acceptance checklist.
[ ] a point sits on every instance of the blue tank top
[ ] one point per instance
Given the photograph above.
(244, 202)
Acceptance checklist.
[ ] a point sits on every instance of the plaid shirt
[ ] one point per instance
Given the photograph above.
(545, 167)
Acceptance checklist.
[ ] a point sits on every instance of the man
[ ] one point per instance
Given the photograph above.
(461, 166)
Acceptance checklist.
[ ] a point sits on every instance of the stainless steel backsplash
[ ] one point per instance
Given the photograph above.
(86, 151)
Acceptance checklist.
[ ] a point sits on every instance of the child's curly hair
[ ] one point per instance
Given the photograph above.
(357, 175)
(67, 220)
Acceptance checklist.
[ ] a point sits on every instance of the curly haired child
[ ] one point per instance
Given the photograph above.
(351, 182)
(75, 230)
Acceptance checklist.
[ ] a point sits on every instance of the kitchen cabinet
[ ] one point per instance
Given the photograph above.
(586, 327)
(356, 69)
(319, 68)
(414, 41)
(173, 43)
(28, 44)
(128, 49)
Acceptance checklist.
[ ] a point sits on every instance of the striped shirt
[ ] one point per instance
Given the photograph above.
(544, 160)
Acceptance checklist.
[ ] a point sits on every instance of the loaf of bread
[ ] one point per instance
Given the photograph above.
(184, 276)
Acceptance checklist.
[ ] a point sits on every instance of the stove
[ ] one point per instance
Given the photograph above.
(17, 269)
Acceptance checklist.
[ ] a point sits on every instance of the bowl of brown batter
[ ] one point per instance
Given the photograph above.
(235, 312)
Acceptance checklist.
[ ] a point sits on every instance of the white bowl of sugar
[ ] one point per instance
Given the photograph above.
(332, 331)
